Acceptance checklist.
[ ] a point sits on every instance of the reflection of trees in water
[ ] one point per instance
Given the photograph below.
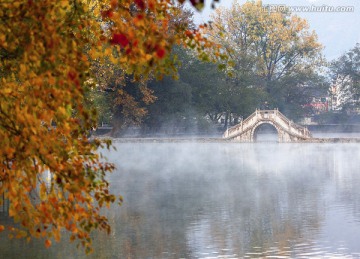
(233, 204)
(263, 211)
(222, 198)
(188, 201)
(345, 175)
(151, 223)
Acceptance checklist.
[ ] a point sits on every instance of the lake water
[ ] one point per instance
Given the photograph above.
(226, 200)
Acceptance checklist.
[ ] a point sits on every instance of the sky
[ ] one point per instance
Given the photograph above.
(337, 31)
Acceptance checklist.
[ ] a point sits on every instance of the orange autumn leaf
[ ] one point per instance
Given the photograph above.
(47, 243)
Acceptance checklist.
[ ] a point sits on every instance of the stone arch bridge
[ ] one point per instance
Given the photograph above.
(287, 130)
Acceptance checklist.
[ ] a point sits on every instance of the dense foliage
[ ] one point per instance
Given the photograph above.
(269, 60)
(271, 51)
(345, 73)
(52, 53)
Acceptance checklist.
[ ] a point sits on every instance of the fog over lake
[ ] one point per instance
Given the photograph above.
(226, 200)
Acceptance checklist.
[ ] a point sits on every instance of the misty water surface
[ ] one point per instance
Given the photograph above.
(226, 200)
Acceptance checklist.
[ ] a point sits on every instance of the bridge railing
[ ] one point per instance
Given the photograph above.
(275, 115)
(245, 124)
(249, 119)
(302, 130)
(266, 114)
(238, 126)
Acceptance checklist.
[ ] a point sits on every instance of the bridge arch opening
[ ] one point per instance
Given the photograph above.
(266, 132)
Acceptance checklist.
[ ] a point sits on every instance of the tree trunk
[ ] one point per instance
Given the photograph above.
(226, 120)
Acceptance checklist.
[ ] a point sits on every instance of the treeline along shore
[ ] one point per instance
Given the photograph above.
(221, 140)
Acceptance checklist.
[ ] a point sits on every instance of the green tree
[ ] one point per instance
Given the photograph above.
(215, 95)
(345, 72)
(268, 50)
(200, 97)
(173, 110)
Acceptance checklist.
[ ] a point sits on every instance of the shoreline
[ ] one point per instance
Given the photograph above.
(220, 140)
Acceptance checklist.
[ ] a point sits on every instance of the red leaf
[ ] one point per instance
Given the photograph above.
(105, 14)
(140, 4)
(72, 75)
(189, 33)
(194, 2)
(160, 53)
(119, 39)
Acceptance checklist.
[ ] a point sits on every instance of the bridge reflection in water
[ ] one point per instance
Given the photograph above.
(287, 130)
